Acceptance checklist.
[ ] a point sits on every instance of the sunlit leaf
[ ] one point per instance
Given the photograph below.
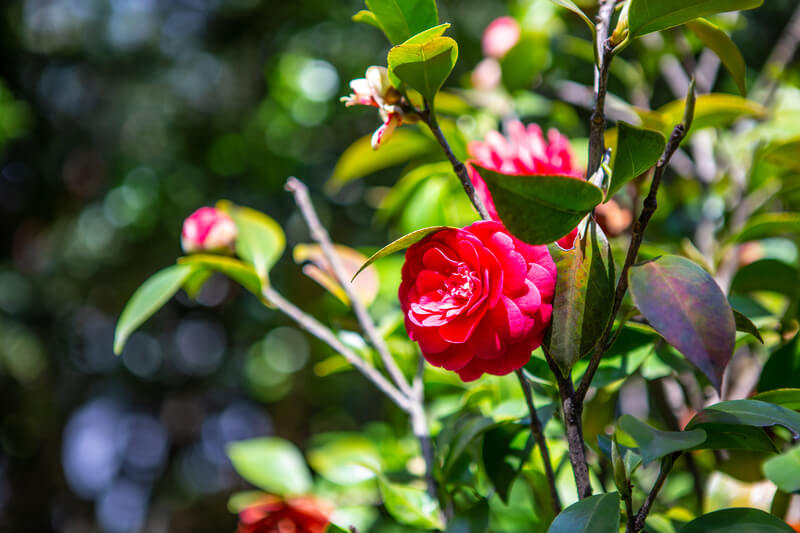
(572, 6)
(591, 515)
(784, 153)
(711, 110)
(243, 274)
(367, 17)
(782, 369)
(686, 306)
(410, 506)
(540, 209)
(747, 413)
(784, 470)
(365, 286)
(260, 240)
(272, 464)
(149, 298)
(360, 160)
(344, 458)
(722, 45)
(737, 520)
(638, 149)
(654, 443)
(428, 34)
(789, 398)
(583, 297)
(402, 19)
(424, 66)
(769, 225)
(646, 16)
(400, 244)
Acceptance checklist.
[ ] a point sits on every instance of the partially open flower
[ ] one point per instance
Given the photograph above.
(376, 90)
(272, 514)
(208, 230)
(500, 36)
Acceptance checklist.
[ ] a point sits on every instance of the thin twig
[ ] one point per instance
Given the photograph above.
(320, 235)
(538, 435)
(641, 516)
(419, 424)
(314, 327)
(648, 208)
(597, 124)
(631, 517)
(429, 118)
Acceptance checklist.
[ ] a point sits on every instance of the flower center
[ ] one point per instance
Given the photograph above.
(460, 284)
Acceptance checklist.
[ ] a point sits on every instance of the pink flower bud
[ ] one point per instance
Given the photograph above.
(383, 133)
(487, 75)
(500, 36)
(208, 229)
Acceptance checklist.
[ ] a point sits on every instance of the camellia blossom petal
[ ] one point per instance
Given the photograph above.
(376, 90)
(477, 299)
(208, 229)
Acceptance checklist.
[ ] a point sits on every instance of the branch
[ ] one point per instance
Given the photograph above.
(538, 435)
(320, 235)
(648, 208)
(419, 424)
(641, 516)
(597, 124)
(429, 118)
(314, 327)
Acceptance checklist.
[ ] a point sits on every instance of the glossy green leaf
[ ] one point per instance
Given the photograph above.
(654, 443)
(782, 369)
(428, 34)
(540, 209)
(746, 325)
(711, 110)
(735, 437)
(402, 19)
(333, 528)
(737, 520)
(788, 398)
(410, 506)
(502, 460)
(367, 17)
(344, 458)
(272, 464)
(747, 413)
(770, 275)
(582, 301)
(149, 298)
(401, 244)
(260, 240)
(686, 306)
(638, 149)
(722, 45)
(360, 160)
(424, 66)
(595, 514)
(769, 225)
(572, 6)
(243, 274)
(784, 470)
(647, 16)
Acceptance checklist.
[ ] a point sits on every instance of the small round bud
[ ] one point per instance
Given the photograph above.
(208, 230)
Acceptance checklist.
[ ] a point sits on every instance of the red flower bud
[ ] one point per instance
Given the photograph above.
(208, 229)
(271, 514)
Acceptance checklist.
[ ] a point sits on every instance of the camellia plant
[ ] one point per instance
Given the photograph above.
(535, 298)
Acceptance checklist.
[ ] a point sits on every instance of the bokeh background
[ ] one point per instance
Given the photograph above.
(118, 118)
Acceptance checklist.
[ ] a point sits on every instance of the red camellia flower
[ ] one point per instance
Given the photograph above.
(477, 299)
(208, 229)
(272, 514)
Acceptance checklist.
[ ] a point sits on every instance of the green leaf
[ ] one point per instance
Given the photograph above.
(243, 274)
(782, 369)
(260, 240)
(654, 443)
(272, 464)
(502, 460)
(637, 150)
(746, 325)
(410, 506)
(686, 306)
(428, 34)
(595, 514)
(525, 61)
(748, 413)
(401, 244)
(789, 398)
(784, 153)
(402, 19)
(784, 470)
(582, 301)
(572, 6)
(735, 437)
(540, 209)
(149, 298)
(647, 16)
(424, 67)
(769, 225)
(318, 269)
(333, 528)
(767, 275)
(360, 160)
(737, 520)
(722, 45)
(367, 17)
(630, 456)
(240, 500)
(344, 458)
(711, 110)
